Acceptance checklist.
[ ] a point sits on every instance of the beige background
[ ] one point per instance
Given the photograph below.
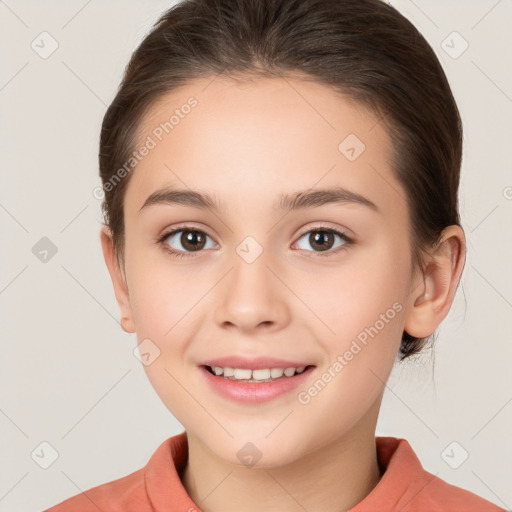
(68, 374)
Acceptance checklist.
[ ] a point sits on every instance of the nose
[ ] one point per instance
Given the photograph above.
(252, 297)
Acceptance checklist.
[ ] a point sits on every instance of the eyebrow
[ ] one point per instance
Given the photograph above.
(287, 202)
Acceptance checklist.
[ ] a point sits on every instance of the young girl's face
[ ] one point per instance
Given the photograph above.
(261, 285)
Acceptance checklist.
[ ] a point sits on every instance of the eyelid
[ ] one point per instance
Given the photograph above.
(166, 233)
(324, 226)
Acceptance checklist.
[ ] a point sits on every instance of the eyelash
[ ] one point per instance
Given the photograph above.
(183, 254)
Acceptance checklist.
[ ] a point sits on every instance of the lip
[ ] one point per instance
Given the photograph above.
(254, 392)
(254, 363)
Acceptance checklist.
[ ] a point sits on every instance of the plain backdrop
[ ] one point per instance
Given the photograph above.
(69, 378)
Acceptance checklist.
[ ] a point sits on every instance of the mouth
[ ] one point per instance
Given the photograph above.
(257, 374)
(257, 381)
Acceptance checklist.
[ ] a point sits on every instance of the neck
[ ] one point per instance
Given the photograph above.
(332, 479)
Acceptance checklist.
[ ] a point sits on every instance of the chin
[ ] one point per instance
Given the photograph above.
(253, 449)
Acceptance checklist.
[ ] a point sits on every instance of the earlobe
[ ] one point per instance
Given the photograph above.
(118, 279)
(431, 299)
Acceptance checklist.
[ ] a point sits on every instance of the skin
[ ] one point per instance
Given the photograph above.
(247, 143)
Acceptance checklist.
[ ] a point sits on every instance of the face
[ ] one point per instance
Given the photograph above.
(267, 280)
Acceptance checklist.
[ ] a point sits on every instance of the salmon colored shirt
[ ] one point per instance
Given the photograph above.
(404, 486)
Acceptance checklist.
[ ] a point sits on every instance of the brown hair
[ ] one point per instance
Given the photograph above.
(365, 49)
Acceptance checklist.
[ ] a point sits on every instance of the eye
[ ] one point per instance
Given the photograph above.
(186, 241)
(323, 240)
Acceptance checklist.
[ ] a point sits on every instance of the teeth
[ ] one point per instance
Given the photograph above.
(275, 373)
(263, 374)
(260, 374)
(228, 372)
(242, 374)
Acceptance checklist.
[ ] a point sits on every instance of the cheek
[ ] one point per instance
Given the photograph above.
(368, 289)
(165, 295)
(362, 304)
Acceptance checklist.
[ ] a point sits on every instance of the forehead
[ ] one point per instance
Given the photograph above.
(258, 136)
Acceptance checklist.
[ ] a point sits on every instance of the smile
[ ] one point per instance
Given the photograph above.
(255, 385)
(256, 375)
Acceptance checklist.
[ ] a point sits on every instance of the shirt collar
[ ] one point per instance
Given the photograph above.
(403, 476)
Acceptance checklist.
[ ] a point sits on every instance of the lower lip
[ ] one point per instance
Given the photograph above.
(254, 392)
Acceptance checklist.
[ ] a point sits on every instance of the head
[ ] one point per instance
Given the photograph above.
(249, 102)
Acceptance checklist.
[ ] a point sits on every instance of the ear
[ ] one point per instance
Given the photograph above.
(431, 298)
(118, 279)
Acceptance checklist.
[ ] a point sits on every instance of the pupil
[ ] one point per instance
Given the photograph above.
(190, 240)
(320, 239)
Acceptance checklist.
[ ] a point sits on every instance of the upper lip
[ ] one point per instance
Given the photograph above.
(252, 363)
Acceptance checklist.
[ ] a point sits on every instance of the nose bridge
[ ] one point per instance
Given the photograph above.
(251, 295)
